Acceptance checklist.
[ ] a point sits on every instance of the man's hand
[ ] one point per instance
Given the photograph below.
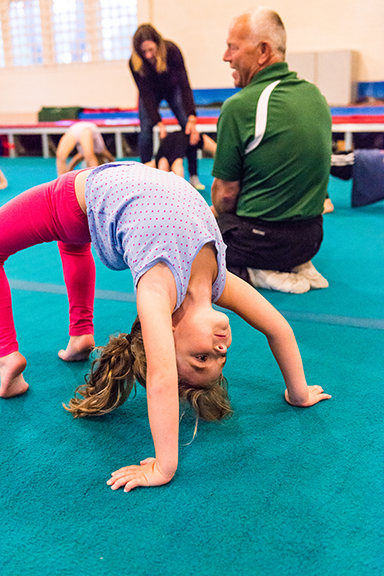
(315, 394)
(147, 474)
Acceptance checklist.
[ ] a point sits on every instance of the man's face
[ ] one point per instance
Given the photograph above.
(242, 54)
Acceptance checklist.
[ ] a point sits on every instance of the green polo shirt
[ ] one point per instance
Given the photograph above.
(282, 160)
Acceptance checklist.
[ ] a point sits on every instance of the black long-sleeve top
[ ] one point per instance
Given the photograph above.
(154, 87)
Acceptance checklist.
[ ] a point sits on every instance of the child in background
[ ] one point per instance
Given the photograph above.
(3, 181)
(87, 138)
(174, 147)
(158, 226)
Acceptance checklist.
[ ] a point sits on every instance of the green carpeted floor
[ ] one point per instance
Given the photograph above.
(274, 491)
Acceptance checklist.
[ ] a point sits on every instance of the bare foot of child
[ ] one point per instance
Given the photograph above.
(79, 348)
(11, 375)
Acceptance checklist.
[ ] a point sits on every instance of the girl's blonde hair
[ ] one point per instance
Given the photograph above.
(210, 402)
(120, 364)
(143, 33)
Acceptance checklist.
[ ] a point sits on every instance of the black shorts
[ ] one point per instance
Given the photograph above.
(279, 245)
(174, 146)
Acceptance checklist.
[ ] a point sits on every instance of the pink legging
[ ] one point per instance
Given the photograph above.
(46, 213)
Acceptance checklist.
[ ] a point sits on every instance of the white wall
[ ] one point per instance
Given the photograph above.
(312, 25)
(86, 85)
(199, 27)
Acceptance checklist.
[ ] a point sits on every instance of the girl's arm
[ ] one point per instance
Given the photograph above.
(77, 158)
(156, 297)
(209, 145)
(108, 155)
(245, 301)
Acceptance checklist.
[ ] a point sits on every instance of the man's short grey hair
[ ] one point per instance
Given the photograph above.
(266, 24)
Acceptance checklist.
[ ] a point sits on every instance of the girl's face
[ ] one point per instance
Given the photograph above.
(148, 51)
(201, 343)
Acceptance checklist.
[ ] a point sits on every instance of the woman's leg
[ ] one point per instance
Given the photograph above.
(191, 155)
(145, 140)
(176, 104)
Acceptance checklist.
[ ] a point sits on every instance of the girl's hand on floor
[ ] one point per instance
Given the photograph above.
(316, 394)
(147, 474)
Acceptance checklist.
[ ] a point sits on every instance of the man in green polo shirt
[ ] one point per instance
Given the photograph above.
(272, 161)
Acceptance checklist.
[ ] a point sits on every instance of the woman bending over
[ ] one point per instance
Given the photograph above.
(159, 72)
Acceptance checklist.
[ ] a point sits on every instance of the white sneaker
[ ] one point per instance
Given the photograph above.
(194, 180)
(309, 272)
(281, 281)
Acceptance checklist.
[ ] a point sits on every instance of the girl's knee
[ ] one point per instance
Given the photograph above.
(74, 249)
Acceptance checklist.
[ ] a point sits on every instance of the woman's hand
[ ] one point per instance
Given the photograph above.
(315, 395)
(147, 474)
(162, 130)
(191, 129)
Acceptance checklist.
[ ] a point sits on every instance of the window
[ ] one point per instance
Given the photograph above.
(26, 36)
(37, 32)
(118, 19)
(68, 24)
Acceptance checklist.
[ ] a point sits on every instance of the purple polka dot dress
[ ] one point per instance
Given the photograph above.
(139, 216)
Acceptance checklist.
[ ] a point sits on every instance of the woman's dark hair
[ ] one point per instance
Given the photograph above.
(121, 363)
(143, 33)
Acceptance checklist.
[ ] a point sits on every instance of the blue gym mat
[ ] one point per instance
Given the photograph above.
(274, 490)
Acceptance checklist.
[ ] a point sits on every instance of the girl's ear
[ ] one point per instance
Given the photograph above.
(175, 320)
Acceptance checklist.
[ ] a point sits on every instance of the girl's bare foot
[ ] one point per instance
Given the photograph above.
(79, 348)
(11, 377)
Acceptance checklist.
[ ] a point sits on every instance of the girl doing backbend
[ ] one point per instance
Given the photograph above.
(156, 224)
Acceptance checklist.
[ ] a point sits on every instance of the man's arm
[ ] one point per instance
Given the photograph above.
(224, 196)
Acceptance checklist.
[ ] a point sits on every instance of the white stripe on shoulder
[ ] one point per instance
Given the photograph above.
(261, 116)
